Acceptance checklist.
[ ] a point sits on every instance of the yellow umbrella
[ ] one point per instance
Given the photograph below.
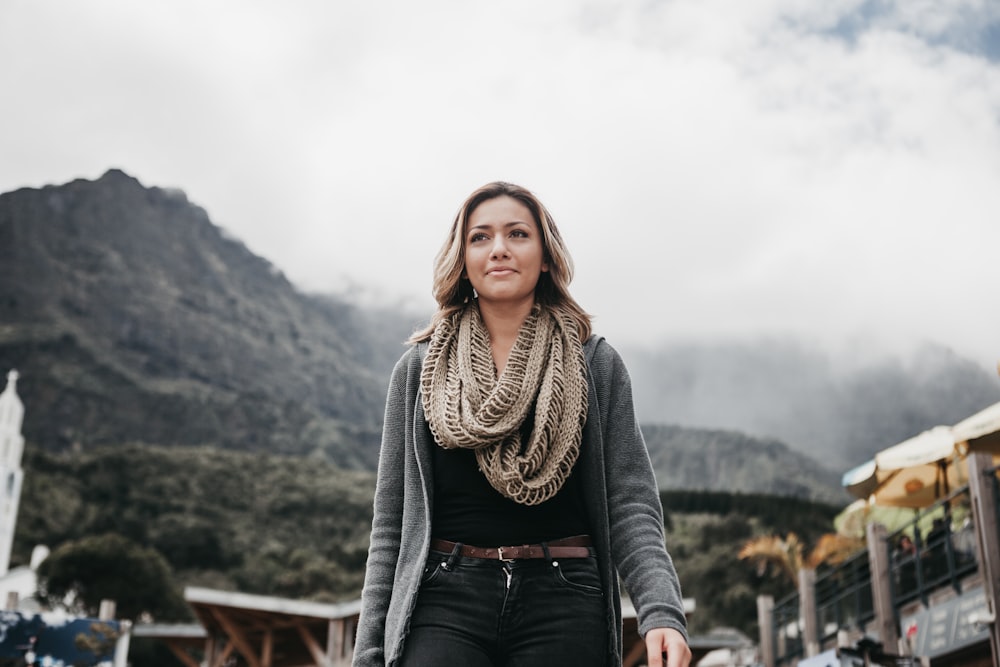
(919, 471)
(923, 469)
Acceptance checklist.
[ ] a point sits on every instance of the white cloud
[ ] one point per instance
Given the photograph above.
(718, 168)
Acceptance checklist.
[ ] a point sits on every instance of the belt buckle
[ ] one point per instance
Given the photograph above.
(500, 556)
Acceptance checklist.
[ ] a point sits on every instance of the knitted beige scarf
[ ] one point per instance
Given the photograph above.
(467, 406)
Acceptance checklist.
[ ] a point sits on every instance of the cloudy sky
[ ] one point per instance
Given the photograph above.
(719, 168)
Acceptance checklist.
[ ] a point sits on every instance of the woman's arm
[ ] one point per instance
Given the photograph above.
(636, 516)
(383, 551)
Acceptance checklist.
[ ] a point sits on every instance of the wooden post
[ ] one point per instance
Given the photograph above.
(336, 641)
(765, 621)
(267, 649)
(982, 488)
(807, 611)
(885, 611)
(107, 610)
(122, 645)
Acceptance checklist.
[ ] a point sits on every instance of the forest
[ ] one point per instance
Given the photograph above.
(138, 523)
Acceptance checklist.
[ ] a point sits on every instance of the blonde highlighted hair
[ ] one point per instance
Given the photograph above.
(452, 292)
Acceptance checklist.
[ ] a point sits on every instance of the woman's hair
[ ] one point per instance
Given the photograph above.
(452, 292)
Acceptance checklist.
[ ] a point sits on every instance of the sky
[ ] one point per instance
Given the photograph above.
(827, 170)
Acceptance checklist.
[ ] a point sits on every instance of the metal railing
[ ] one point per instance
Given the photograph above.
(844, 597)
(937, 548)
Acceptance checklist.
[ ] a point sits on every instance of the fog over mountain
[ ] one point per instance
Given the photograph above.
(839, 407)
(133, 318)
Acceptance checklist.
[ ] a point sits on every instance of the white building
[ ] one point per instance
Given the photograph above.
(11, 473)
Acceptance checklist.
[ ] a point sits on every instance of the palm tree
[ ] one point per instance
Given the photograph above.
(785, 554)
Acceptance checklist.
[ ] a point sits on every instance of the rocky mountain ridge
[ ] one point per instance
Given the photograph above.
(133, 318)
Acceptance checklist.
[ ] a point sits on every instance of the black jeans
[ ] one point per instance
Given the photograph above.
(474, 612)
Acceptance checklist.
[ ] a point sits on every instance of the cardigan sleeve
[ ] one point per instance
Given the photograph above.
(635, 513)
(383, 550)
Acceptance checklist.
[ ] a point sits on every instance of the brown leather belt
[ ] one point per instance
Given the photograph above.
(568, 547)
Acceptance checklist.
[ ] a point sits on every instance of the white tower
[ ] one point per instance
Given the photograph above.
(11, 474)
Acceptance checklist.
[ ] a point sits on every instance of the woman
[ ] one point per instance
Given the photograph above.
(514, 487)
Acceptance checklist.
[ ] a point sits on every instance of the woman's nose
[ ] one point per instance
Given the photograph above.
(499, 247)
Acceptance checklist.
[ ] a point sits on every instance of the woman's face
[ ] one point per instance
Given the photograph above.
(503, 252)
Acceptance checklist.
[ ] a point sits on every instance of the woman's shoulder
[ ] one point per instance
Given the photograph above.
(602, 357)
(598, 347)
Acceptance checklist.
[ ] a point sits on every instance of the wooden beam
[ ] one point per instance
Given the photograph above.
(223, 655)
(181, 654)
(237, 638)
(267, 650)
(314, 648)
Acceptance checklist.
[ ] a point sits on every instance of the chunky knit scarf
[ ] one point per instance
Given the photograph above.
(467, 406)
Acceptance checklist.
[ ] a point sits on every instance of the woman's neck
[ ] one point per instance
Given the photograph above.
(503, 322)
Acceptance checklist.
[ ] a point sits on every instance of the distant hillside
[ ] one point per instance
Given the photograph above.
(699, 459)
(132, 318)
(839, 411)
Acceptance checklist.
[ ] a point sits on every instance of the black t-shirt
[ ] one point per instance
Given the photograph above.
(468, 510)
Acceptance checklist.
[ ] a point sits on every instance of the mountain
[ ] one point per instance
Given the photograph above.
(132, 318)
(709, 460)
(835, 407)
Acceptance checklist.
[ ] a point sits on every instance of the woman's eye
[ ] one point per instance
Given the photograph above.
(519, 233)
(477, 237)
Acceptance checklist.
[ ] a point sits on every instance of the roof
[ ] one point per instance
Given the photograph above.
(290, 632)
(264, 603)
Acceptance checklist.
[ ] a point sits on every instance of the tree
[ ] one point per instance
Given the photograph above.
(785, 554)
(80, 574)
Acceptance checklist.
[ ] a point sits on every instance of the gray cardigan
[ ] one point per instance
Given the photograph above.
(621, 497)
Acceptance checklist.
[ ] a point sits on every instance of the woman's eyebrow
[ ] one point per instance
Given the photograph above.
(505, 225)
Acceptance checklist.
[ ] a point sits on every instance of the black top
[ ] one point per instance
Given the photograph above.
(468, 510)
